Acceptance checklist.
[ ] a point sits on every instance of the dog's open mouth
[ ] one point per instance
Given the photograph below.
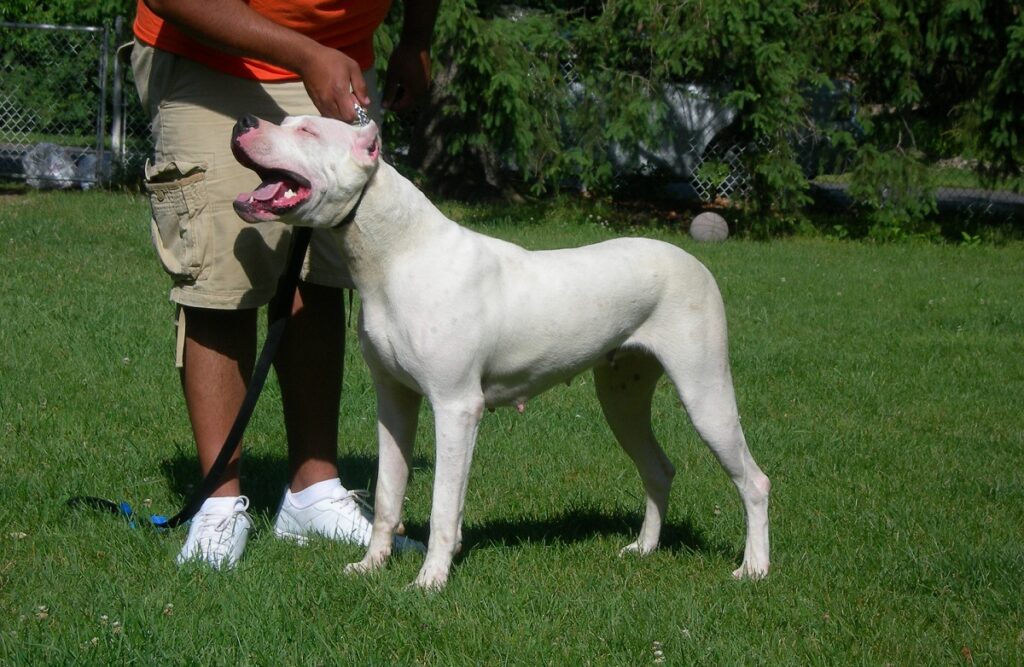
(279, 192)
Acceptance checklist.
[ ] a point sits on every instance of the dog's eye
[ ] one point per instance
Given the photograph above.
(308, 130)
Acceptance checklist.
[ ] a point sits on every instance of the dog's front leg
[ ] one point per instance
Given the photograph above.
(397, 415)
(456, 426)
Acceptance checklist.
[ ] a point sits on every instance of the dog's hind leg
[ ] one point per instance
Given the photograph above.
(700, 372)
(624, 389)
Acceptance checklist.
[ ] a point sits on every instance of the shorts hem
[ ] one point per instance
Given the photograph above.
(195, 299)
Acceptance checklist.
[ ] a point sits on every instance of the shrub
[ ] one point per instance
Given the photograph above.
(546, 87)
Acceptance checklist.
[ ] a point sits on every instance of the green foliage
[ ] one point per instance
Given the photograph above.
(493, 72)
(893, 192)
(66, 12)
(930, 78)
(554, 88)
(935, 77)
(503, 67)
(61, 102)
(52, 77)
(779, 194)
(1000, 108)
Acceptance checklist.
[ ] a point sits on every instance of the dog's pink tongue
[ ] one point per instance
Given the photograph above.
(266, 191)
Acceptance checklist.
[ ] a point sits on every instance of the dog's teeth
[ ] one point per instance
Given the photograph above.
(251, 200)
(289, 193)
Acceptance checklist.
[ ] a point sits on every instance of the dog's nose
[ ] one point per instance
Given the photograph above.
(244, 124)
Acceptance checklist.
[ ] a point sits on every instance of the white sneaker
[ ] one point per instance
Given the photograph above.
(218, 535)
(343, 517)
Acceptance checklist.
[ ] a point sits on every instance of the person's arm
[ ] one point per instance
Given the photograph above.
(231, 26)
(408, 75)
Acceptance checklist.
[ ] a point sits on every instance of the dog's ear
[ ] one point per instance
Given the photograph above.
(366, 145)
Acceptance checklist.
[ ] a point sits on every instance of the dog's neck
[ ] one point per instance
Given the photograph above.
(381, 229)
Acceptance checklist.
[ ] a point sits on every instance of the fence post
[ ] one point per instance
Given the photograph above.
(117, 102)
(101, 115)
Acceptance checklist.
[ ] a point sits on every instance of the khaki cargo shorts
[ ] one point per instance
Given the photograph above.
(214, 258)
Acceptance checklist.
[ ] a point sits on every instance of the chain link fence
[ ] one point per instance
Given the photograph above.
(53, 102)
(65, 120)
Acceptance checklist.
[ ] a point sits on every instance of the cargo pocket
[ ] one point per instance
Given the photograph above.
(177, 194)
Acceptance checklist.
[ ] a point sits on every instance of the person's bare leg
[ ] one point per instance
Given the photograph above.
(220, 352)
(309, 367)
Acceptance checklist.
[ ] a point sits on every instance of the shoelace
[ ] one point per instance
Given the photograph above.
(226, 521)
(360, 498)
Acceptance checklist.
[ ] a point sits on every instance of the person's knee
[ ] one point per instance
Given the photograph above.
(220, 329)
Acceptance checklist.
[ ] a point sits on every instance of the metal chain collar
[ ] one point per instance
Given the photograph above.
(361, 115)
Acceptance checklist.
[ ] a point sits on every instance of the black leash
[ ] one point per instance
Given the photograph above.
(278, 313)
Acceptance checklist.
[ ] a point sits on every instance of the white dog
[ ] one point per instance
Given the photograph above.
(472, 322)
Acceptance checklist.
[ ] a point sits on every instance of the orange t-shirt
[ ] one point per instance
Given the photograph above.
(346, 25)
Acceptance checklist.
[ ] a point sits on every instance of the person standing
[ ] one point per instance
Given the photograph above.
(199, 65)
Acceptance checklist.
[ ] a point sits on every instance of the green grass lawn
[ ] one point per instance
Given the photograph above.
(881, 388)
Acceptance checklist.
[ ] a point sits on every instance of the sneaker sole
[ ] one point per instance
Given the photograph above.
(301, 540)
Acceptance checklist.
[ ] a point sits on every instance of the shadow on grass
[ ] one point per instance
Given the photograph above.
(264, 478)
(581, 525)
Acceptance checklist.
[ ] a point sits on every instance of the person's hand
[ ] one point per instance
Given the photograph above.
(335, 84)
(407, 79)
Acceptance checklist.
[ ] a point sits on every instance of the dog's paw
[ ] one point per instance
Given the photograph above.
(751, 571)
(365, 566)
(633, 548)
(357, 568)
(430, 580)
(636, 548)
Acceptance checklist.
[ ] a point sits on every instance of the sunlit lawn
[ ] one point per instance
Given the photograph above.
(880, 388)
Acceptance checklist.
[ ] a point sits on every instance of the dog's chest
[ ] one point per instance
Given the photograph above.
(409, 345)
